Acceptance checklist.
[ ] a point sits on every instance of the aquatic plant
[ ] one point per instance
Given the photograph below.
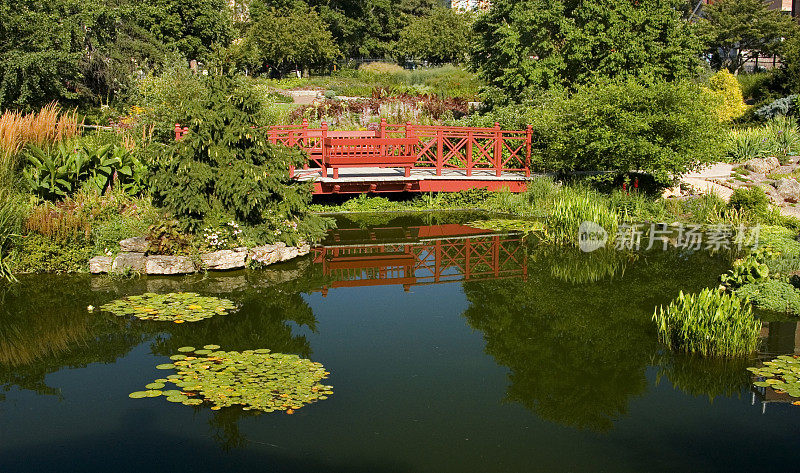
(572, 208)
(254, 379)
(781, 374)
(177, 307)
(507, 225)
(708, 323)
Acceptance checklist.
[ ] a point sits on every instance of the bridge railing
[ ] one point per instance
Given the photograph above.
(441, 148)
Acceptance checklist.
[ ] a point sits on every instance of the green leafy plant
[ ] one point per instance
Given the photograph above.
(254, 379)
(746, 270)
(166, 238)
(750, 199)
(225, 165)
(708, 323)
(781, 374)
(176, 307)
(771, 294)
(570, 209)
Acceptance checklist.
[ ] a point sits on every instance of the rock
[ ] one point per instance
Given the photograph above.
(225, 259)
(163, 264)
(758, 165)
(304, 249)
(100, 264)
(124, 262)
(789, 189)
(772, 162)
(265, 254)
(288, 252)
(134, 245)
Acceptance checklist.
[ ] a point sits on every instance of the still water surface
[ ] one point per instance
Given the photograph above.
(450, 349)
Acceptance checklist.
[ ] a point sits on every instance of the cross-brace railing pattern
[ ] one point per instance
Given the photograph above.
(424, 262)
(441, 148)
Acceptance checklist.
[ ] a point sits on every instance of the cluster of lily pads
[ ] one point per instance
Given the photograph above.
(254, 379)
(177, 307)
(781, 374)
(508, 225)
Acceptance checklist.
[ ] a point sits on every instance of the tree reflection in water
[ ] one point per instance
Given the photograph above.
(578, 352)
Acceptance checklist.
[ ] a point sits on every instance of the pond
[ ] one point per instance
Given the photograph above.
(450, 349)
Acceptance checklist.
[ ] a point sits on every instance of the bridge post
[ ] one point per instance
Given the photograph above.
(439, 150)
(324, 164)
(528, 145)
(382, 129)
(498, 149)
(469, 152)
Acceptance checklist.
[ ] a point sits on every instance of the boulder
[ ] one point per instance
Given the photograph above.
(134, 245)
(772, 162)
(789, 190)
(134, 262)
(100, 264)
(758, 165)
(225, 259)
(265, 254)
(163, 264)
(304, 249)
(288, 252)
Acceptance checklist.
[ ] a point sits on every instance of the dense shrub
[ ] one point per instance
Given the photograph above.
(772, 294)
(750, 199)
(708, 323)
(779, 137)
(726, 88)
(663, 129)
(783, 106)
(226, 165)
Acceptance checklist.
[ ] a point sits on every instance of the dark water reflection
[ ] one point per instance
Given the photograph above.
(451, 349)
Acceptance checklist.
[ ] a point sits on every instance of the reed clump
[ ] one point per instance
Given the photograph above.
(709, 323)
(49, 125)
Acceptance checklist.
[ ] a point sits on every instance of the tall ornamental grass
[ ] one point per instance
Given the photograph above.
(570, 208)
(709, 324)
(50, 125)
(779, 137)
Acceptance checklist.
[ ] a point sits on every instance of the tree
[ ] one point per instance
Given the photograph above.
(225, 165)
(736, 31)
(192, 27)
(565, 43)
(442, 36)
(273, 41)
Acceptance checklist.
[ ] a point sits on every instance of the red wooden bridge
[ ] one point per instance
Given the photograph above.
(423, 255)
(407, 158)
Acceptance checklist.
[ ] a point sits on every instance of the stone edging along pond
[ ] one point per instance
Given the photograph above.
(133, 258)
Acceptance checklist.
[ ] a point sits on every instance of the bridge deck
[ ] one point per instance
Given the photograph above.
(366, 179)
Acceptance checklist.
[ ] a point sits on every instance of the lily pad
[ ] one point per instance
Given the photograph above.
(782, 375)
(177, 307)
(254, 379)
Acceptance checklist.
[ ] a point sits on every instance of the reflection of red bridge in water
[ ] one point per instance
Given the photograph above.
(413, 256)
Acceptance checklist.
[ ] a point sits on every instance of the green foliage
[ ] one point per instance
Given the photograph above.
(166, 239)
(226, 165)
(771, 294)
(735, 31)
(783, 106)
(57, 173)
(444, 35)
(726, 88)
(780, 374)
(570, 209)
(709, 324)
(778, 137)
(35, 253)
(163, 100)
(554, 44)
(10, 227)
(663, 129)
(273, 44)
(749, 199)
(747, 270)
